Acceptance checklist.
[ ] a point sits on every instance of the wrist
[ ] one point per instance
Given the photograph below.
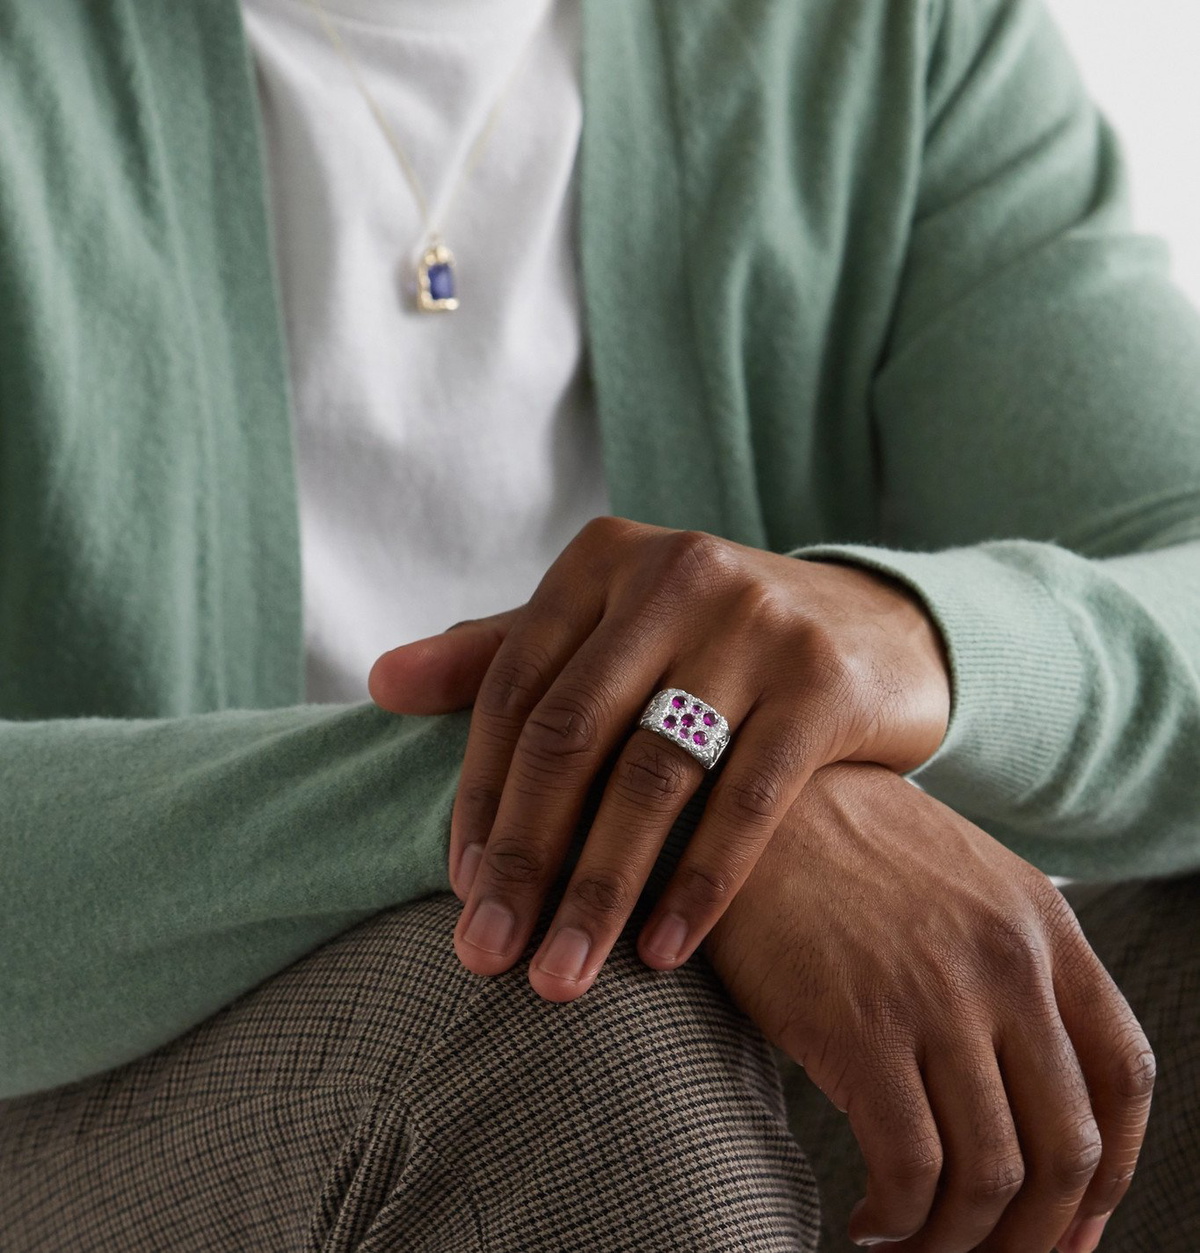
(907, 663)
(834, 801)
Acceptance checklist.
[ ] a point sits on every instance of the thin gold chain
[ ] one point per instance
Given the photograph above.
(477, 149)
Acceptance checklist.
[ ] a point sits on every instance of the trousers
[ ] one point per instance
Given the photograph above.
(377, 1096)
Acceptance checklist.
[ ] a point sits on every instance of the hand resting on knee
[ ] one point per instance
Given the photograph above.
(938, 990)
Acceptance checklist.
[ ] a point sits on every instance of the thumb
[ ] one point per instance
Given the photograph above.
(441, 673)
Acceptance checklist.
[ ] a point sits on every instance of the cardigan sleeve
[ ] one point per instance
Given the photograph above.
(1037, 414)
(151, 871)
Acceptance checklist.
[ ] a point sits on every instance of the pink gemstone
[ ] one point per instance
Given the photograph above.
(696, 708)
(710, 720)
(687, 720)
(683, 731)
(669, 720)
(678, 702)
(700, 737)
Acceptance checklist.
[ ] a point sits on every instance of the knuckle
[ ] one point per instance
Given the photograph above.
(648, 772)
(765, 605)
(697, 556)
(605, 894)
(755, 797)
(754, 610)
(695, 546)
(560, 729)
(512, 863)
(1074, 1162)
(1135, 1069)
(996, 1182)
(1054, 908)
(606, 530)
(707, 888)
(1013, 951)
(515, 683)
(916, 1165)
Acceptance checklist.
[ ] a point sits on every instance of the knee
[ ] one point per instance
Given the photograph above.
(364, 1008)
(369, 1005)
(640, 1034)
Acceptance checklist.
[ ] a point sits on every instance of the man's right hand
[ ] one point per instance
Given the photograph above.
(939, 990)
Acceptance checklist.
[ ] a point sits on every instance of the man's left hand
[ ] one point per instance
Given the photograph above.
(810, 662)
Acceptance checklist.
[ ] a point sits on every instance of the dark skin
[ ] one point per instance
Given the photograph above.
(811, 663)
(934, 985)
(939, 991)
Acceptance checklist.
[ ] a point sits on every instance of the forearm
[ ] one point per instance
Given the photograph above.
(1076, 718)
(155, 870)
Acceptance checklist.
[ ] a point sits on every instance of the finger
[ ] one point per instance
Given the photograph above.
(441, 673)
(898, 1136)
(613, 869)
(650, 783)
(1060, 1140)
(528, 660)
(568, 736)
(766, 768)
(984, 1168)
(1118, 1067)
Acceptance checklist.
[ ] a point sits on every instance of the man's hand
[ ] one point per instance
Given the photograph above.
(810, 663)
(938, 989)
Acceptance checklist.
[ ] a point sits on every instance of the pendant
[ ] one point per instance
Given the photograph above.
(435, 280)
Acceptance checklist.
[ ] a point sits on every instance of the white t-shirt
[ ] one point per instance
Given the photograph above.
(445, 459)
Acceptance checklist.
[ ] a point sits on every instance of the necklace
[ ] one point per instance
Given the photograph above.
(437, 288)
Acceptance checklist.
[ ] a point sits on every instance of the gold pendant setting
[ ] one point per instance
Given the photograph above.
(436, 290)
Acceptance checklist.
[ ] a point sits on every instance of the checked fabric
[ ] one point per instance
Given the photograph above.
(376, 1096)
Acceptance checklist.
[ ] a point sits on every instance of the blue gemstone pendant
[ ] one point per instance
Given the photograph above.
(436, 291)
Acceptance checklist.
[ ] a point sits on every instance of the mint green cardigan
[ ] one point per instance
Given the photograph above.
(859, 271)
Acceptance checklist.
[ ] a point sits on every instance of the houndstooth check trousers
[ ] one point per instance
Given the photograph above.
(377, 1096)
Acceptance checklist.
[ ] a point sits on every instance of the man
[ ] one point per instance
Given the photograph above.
(896, 417)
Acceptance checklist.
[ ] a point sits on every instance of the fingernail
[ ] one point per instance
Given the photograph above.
(1083, 1235)
(492, 927)
(668, 938)
(468, 866)
(567, 954)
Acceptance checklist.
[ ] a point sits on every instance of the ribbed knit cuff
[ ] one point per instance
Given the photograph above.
(1017, 671)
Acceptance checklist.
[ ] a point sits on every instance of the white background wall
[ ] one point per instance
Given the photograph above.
(1141, 61)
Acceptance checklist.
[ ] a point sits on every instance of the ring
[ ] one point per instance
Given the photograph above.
(686, 720)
